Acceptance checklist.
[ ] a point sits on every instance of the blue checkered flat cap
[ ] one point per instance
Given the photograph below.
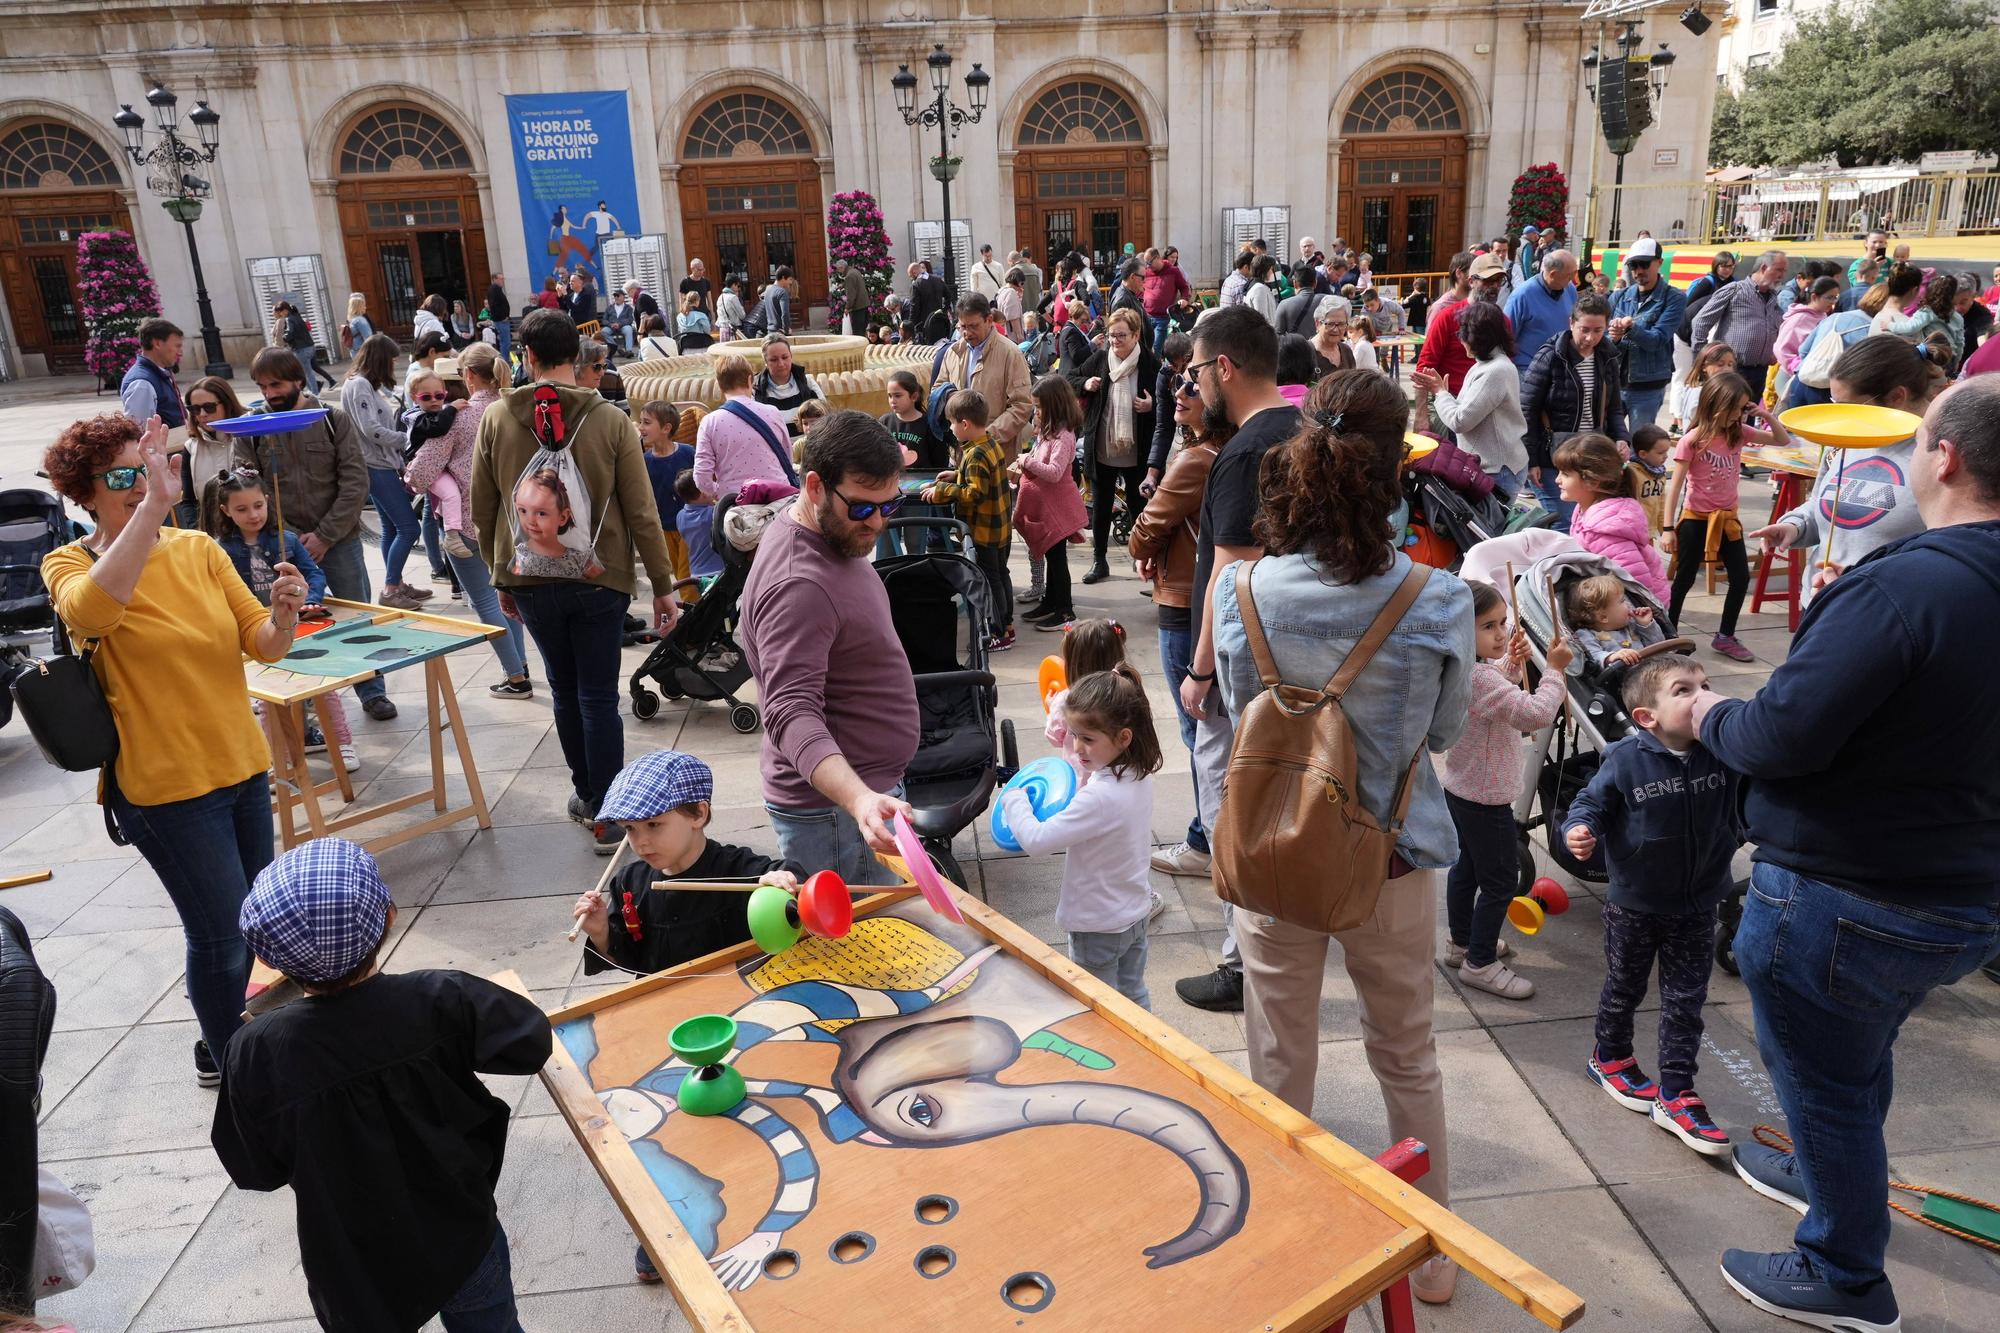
(315, 912)
(656, 783)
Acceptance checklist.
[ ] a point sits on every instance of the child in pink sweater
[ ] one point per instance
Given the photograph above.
(1482, 778)
(1609, 520)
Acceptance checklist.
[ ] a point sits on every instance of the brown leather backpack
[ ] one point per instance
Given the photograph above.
(1293, 840)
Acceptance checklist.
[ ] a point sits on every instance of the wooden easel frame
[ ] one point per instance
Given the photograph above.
(1428, 1228)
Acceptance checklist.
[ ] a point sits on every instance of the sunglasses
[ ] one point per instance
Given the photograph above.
(864, 510)
(203, 409)
(120, 478)
(432, 397)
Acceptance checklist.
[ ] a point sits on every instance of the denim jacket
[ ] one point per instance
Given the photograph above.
(1414, 693)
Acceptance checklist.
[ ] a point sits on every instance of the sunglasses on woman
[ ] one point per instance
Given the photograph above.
(866, 509)
(204, 409)
(120, 478)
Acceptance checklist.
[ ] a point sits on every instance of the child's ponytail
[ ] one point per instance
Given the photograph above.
(1111, 701)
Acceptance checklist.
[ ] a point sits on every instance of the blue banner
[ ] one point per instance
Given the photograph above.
(573, 168)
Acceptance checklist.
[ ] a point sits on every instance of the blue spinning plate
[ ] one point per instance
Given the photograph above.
(269, 423)
(1050, 783)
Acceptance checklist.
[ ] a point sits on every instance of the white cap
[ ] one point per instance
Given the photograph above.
(1648, 248)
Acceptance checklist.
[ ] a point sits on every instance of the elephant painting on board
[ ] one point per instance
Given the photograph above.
(923, 1031)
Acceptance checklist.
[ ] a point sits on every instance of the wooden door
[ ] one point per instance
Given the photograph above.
(747, 220)
(1089, 199)
(38, 237)
(1405, 199)
(408, 237)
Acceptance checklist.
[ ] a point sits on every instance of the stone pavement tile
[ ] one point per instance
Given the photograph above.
(45, 907)
(141, 1097)
(527, 861)
(25, 810)
(1770, 645)
(134, 900)
(1565, 961)
(497, 748)
(380, 790)
(521, 934)
(27, 779)
(706, 730)
(533, 796)
(1197, 894)
(1977, 994)
(72, 833)
(111, 980)
(1945, 1069)
(630, 1306)
(1168, 959)
(1025, 890)
(414, 869)
(241, 1267)
(562, 1226)
(144, 1208)
(1581, 1239)
(744, 825)
(71, 1057)
(1962, 1276)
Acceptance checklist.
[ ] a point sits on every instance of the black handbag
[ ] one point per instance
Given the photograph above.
(64, 706)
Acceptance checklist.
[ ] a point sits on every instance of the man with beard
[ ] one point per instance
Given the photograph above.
(1473, 278)
(840, 716)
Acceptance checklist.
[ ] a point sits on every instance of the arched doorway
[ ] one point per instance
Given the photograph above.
(1402, 171)
(1082, 177)
(409, 215)
(750, 199)
(56, 183)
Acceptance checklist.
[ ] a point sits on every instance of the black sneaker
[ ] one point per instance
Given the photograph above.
(1220, 991)
(1053, 619)
(513, 689)
(380, 708)
(315, 740)
(205, 1072)
(642, 1266)
(1098, 573)
(607, 836)
(580, 811)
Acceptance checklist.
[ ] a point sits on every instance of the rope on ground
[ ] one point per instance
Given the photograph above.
(1771, 1137)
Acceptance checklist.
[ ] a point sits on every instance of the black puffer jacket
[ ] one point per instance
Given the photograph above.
(27, 1013)
(1552, 396)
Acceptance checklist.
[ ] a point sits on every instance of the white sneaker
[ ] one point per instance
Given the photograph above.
(1496, 978)
(1181, 859)
(1434, 1282)
(1454, 954)
(348, 760)
(1159, 905)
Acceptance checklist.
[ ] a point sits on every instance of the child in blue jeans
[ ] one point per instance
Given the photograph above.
(1665, 810)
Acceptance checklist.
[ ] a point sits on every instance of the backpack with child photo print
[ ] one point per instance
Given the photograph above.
(554, 536)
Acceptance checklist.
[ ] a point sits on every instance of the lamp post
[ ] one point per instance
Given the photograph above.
(1624, 136)
(170, 165)
(949, 118)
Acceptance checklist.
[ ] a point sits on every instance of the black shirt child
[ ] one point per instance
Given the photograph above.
(367, 1103)
(424, 427)
(674, 927)
(1229, 504)
(933, 454)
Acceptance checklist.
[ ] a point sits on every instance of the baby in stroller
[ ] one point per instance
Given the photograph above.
(1605, 624)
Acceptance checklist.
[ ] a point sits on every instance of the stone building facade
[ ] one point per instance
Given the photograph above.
(374, 134)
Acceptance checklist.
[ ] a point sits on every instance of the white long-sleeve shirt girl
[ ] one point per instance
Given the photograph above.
(1107, 831)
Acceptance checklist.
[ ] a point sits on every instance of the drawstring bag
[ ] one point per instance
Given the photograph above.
(552, 513)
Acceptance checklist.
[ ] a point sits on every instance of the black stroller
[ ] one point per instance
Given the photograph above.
(699, 658)
(941, 606)
(32, 524)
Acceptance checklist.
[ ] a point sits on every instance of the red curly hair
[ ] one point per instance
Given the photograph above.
(84, 449)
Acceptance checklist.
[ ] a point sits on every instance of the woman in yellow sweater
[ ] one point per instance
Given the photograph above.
(172, 620)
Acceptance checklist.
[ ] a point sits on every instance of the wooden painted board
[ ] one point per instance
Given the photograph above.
(926, 1096)
(365, 640)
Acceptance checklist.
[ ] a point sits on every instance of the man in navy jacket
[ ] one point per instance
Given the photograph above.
(1874, 801)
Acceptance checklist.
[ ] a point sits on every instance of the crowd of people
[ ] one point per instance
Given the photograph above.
(1249, 457)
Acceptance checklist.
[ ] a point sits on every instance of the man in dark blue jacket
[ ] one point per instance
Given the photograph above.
(1664, 810)
(1874, 801)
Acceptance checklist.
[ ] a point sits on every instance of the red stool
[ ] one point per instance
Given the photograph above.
(1407, 1161)
(1786, 500)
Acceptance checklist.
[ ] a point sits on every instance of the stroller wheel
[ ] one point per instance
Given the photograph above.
(645, 704)
(743, 717)
(1527, 872)
(947, 864)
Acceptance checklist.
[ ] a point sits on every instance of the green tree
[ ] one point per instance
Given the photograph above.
(1869, 83)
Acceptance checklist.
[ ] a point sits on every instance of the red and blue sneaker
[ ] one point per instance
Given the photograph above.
(1625, 1083)
(1687, 1116)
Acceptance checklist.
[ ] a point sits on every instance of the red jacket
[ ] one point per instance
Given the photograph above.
(1164, 285)
(1442, 351)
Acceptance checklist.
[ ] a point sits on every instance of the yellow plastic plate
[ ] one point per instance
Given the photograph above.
(1850, 425)
(1415, 446)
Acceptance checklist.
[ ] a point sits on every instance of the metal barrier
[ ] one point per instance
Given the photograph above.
(1804, 208)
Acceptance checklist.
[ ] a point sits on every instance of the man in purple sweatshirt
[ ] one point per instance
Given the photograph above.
(840, 711)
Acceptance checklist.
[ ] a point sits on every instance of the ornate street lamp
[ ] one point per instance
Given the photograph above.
(949, 118)
(171, 165)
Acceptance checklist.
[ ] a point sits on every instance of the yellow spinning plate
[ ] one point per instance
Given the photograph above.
(1416, 446)
(1850, 425)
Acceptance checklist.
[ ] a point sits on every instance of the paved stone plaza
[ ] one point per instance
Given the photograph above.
(1596, 1196)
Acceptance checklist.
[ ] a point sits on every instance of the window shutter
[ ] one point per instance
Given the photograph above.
(641, 259)
(300, 279)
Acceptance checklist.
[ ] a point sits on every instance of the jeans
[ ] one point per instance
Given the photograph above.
(477, 580)
(1480, 886)
(1831, 977)
(503, 330)
(1115, 957)
(1157, 327)
(1643, 403)
(433, 531)
(1100, 502)
(400, 526)
(827, 838)
(1176, 647)
(1801, 394)
(485, 1304)
(1690, 537)
(206, 851)
(580, 630)
(347, 576)
(1683, 944)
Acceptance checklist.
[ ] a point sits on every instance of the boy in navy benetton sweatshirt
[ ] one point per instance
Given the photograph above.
(1665, 810)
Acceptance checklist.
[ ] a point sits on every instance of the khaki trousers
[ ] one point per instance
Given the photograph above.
(1389, 960)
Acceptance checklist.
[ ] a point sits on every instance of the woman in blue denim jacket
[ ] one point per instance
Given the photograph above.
(1328, 569)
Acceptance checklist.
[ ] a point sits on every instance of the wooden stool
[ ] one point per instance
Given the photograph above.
(1407, 1161)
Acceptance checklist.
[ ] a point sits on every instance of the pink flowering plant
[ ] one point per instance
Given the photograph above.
(854, 232)
(116, 292)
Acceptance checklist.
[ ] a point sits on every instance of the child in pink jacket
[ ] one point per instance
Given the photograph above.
(1049, 510)
(1609, 520)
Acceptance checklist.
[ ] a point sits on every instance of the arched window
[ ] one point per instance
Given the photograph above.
(402, 139)
(49, 155)
(1080, 111)
(1403, 101)
(746, 125)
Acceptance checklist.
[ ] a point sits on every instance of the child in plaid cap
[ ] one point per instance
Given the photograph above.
(662, 799)
(364, 1097)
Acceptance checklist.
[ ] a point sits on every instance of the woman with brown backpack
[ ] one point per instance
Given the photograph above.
(1346, 667)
